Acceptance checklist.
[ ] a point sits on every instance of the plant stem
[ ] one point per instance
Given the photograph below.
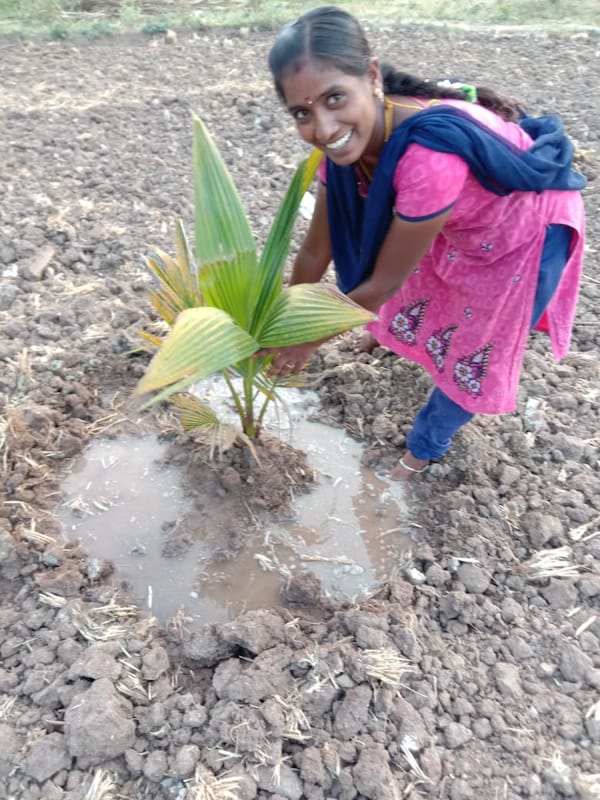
(268, 398)
(249, 427)
(236, 398)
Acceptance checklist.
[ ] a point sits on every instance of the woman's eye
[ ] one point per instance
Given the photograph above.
(334, 98)
(300, 114)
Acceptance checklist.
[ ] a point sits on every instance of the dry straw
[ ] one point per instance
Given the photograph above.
(206, 786)
(556, 563)
(386, 665)
(102, 787)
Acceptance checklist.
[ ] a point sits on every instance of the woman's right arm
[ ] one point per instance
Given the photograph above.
(314, 255)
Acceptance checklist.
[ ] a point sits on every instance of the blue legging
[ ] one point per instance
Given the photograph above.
(440, 418)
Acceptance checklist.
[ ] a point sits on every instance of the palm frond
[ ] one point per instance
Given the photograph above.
(278, 242)
(308, 312)
(231, 286)
(202, 341)
(194, 413)
(222, 228)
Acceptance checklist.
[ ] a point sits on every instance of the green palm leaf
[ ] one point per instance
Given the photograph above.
(222, 228)
(278, 243)
(202, 341)
(308, 312)
(194, 413)
(231, 286)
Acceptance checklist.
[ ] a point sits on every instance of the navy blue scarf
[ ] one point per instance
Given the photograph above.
(358, 226)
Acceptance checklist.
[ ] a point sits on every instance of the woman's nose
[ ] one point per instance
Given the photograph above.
(325, 125)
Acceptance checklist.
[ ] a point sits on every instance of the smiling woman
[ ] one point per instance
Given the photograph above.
(445, 208)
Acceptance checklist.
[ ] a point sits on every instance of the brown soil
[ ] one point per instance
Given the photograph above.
(468, 674)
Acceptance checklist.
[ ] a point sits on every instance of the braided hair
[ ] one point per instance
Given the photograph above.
(333, 36)
(396, 82)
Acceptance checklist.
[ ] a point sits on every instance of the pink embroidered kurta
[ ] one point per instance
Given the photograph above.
(465, 311)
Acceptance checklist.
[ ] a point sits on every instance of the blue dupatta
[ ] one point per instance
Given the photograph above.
(358, 226)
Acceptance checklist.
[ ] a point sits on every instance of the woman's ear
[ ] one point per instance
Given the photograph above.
(374, 74)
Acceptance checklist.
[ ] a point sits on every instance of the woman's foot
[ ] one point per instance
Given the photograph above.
(365, 343)
(408, 467)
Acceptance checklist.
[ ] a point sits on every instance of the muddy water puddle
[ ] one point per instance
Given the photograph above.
(122, 500)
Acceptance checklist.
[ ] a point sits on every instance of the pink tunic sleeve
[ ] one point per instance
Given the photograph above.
(427, 182)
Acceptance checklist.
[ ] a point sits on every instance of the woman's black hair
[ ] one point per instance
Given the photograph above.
(327, 34)
(334, 36)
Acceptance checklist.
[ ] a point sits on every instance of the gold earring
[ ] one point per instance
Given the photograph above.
(378, 92)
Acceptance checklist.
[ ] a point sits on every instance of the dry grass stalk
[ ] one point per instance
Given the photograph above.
(206, 786)
(297, 725)
(177, 623)
(331, 759)
(554, 563)
(131, 684)
(272, 564)
(386, 665)
(6, 706)
(327, 560)
(585, 625)
(32, 535)
(577, 534)
(593, 711)
(413, 764)
(52, 600)
(4, 443)
(105, 423)
(102, 623)
(102, 787)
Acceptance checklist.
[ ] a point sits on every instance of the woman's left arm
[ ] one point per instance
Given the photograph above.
(403, 248)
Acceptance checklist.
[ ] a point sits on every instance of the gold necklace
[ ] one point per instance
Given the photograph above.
(388, 122)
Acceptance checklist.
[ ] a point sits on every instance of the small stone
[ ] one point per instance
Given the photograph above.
(372, 775)
(559, 593)
(134, 761)
(352, 712)
(431, 764)
(34, 268)
(509, 475)
(255, 631)
(286, 783)
(588, 785)
(519, 648)
(186, 759)
(482, 728)
(475, 579)
(511, 610)
(155, 766)
(312, 769)
(589, 586)
(96, 661)
(436, 576)
(507, 679)
(574, 663)
(99, 724)
(302, 589)
(155, 663)
(456, 735)
(541, 528)
(46, 757)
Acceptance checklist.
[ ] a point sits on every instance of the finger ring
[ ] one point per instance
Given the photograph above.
(290, 364)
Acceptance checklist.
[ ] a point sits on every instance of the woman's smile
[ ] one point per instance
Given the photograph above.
(338, 144)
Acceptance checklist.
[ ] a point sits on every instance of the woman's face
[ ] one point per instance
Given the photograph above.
(334, 111)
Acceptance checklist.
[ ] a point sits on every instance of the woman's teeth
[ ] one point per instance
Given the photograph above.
(340, 142)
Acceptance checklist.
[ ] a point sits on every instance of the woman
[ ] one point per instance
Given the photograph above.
(445, 209)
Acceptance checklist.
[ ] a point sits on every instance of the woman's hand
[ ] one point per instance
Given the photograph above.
(289, 360)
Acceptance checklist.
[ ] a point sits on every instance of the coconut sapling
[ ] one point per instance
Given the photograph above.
(224, 303)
